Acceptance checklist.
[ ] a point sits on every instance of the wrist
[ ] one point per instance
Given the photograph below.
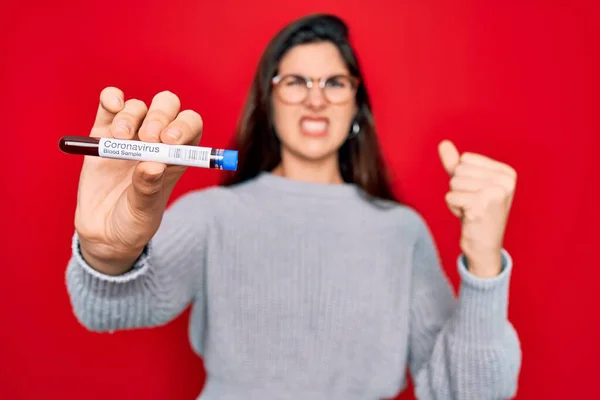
(106, 260)
(485, 264)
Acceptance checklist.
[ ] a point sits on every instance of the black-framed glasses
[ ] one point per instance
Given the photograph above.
(294, 89)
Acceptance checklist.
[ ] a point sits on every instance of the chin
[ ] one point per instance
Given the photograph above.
(317, 156)
(312, 150)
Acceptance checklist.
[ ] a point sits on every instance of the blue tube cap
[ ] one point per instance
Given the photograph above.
(230, 159)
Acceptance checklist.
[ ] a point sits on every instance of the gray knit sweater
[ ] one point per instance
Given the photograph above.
(308, 291)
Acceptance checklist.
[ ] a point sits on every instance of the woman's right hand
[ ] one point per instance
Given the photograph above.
(120, 203)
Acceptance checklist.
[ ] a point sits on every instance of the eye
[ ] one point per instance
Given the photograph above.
(294, 80)
(337, 82)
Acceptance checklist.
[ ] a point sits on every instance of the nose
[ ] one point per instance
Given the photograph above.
(315, 98)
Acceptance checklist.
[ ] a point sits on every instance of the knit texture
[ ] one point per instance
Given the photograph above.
(310, 291)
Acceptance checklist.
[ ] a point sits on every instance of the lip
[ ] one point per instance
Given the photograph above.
(314, 119)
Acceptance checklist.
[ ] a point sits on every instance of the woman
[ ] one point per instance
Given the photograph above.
(307, 279)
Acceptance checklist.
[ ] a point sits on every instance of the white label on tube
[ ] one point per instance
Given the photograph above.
(145, 151)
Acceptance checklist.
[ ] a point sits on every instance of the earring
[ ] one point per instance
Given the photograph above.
(355, 130)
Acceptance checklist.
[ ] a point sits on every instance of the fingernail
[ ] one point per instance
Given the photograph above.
(154, 176)
(121, 129)
(116, 102)
(153, 129)
(174, 133)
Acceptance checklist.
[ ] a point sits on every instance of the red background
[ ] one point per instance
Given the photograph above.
(515, 81)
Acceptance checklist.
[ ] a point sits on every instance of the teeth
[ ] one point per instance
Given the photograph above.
(314, 126)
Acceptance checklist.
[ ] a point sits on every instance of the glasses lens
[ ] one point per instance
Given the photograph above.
(292, 89)
(339, 89)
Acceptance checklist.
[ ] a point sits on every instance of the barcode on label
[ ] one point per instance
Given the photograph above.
(189, 154)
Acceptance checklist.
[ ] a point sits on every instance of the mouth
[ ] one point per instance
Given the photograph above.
(314, 126)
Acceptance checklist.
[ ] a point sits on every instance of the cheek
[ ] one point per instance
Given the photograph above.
(342, 118)
(285, 118)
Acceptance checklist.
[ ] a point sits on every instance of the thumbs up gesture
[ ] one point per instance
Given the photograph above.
(481, 194)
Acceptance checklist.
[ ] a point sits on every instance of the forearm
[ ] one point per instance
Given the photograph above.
(476, 353)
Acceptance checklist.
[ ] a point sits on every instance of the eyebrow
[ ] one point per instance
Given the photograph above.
(347, 73)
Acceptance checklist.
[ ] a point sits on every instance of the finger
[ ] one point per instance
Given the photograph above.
(485, 175)
(111, 102)
(163, 109)
(472, 171)
(469, 184)
(449, 156)
(185, 129)
(144, 194)
(456, 202)
(127, 122)
(487, 162)
(478, 171)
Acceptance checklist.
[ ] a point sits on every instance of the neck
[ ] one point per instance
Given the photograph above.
(315, 171)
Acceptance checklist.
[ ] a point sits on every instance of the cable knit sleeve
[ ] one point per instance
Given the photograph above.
(461, 348)
(164, 280)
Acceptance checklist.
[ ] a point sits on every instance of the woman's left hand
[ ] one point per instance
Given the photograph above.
(481, 194)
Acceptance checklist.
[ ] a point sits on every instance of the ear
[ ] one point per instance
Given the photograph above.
(357, 113)
(355, 126)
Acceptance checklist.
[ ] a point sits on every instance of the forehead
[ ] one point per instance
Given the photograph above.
(313, 59)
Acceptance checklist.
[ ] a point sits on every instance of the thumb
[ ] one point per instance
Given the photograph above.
(144, 194)
(449, 156)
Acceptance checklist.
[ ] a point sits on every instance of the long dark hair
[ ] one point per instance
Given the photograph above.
(360, 158)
